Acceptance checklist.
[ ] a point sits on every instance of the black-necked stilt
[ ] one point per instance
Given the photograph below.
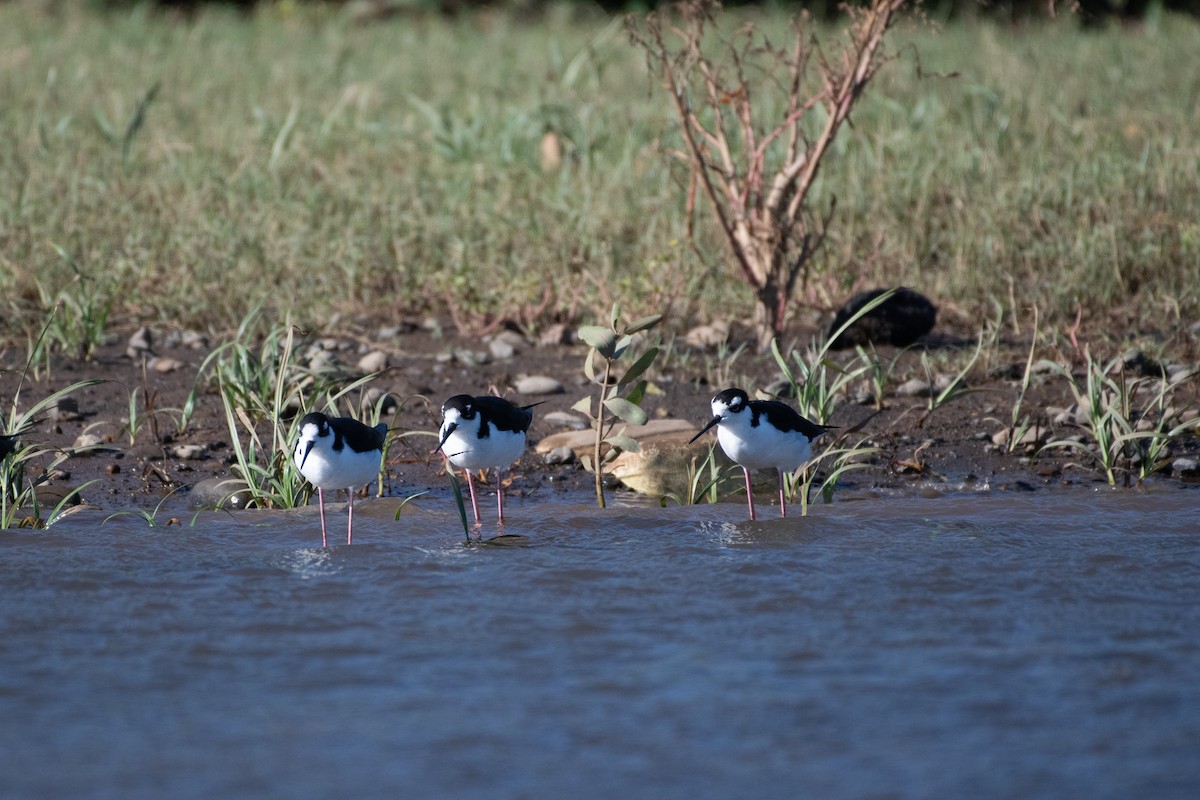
(761, 433)
(481, 432)
(339, 453)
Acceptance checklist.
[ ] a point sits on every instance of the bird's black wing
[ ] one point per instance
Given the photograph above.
(504, 415)
(785, 418)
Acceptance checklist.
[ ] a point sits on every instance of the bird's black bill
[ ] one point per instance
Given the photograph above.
(449, 430)
(704, 430)
(307, 449)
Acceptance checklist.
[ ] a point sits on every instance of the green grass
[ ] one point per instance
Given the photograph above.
(196, 170)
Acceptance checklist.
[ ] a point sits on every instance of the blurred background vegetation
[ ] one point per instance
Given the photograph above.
(1088, 10)
(355, 161)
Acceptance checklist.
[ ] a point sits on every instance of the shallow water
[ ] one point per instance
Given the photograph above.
(996, 645)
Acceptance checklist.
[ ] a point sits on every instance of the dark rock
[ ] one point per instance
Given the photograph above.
(900, 320)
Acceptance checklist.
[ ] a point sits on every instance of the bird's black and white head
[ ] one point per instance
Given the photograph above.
(314, 427)
(458, 412)
(726, 405)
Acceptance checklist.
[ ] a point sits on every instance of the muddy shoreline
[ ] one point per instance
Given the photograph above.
(949, 449)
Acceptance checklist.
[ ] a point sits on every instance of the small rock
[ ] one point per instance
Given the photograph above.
(501, 350)
(374, 397)
(189, 452)
(164, 365)
(85, 441)
(943, 382)
(782, 389)
(112, 469)
(564, 419)
(714, 334)
(399, 329)
(140, 343)
(66, 409)
(471, 358)
(915, 388)
(538, 384)
(1186, 467)
(220, 493)
(320, 360)
(374, 361)
(557, 333)
(560, 455)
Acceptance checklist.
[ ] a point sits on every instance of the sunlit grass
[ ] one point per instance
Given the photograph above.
(301, 163)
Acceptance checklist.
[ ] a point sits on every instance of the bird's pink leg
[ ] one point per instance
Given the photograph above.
(782, 499)
(321, 501)
(749, 493)
(350, 519)
(499, 498)
(474, 504)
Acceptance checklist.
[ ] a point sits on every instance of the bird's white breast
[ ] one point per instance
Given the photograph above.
(762, 446)
(467, 450)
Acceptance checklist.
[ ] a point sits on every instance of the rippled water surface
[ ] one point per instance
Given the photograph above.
(1030, 645)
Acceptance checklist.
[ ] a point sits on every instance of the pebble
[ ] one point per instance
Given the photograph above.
(714, 334)
(399, 329)
(164, 365)
(557, 333)
(220, 493)
(66, 409)
(782, 389)
(86, 440)
(501, 350)
(915, 388)
(374, 361)
(538, 384)
(560, 455)
(140, 343)
(320, 360)
(189, 452)
(1189, 467)
(563, 419)
(374, 396)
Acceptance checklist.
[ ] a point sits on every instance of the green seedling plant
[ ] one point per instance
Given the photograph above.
(151, 517)
(1123, 440)
(816, 392)
(1108, 402)
(956, 388)
(1021, 422)
(18, 490)
(704, 480)
(608, 345)
(841, 461)
(265, 465)
(1154, 444)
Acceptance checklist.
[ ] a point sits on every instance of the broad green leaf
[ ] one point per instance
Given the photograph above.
(645, 323)
(626, 443)
(603, 339)
(622, 345)
(626, 411)
(639, 366)
(589, 368)
(584, 406)
(637, 394)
